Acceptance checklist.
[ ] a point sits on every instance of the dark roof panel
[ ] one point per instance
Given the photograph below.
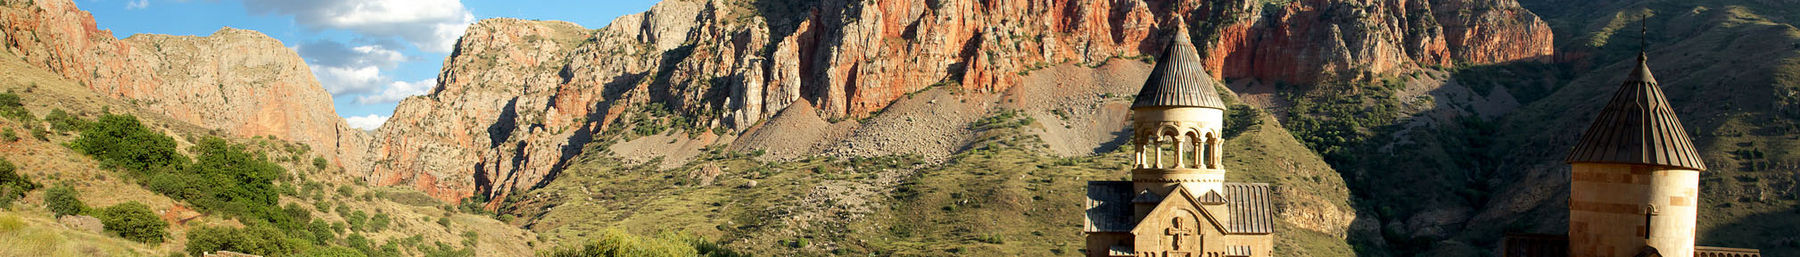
(1147, 197)
(1251, 208)
(1638, 127)
(1179, 79)
(1213, 197)
(1109, 207)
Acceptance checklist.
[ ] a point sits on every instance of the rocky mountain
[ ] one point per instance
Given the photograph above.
(518, 98)
(234, 81)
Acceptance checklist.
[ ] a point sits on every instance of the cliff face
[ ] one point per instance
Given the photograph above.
(237, 81)
(519, 97)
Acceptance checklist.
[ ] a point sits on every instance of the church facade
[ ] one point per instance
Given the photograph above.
(1178, 203)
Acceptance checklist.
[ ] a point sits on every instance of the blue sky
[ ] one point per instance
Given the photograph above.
(368, 53)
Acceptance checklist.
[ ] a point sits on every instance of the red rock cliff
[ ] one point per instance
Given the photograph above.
(238, 81)
(520, 97)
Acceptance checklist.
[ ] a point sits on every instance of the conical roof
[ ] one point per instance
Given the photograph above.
(1179, 80)
(1638, 127)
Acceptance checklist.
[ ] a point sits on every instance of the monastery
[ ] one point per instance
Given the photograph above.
(1177, 203)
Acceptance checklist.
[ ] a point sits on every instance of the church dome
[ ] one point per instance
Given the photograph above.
(1179, 79)
(1638, 127)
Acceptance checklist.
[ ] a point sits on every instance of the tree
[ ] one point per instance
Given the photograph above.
(256, 239)
(63, 200)
(120, 141)
(320, 163)
(334, 251)
(134, 221)
(12, 185)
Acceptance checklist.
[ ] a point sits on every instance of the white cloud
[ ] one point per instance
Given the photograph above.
(332, 53)
(349, 80)
(430, 25)
(139, 4)
(399, 90)
(366, 122)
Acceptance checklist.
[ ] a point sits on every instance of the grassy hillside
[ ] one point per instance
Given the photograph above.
(1006, 195)
(311, 208)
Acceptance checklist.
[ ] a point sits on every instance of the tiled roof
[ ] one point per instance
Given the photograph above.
(1213, 197)
(1250, 207)
(1120, 250)
(1109, 207)
(1637, 127)
(1238, 251)
(1714, 251)
(1179, 78)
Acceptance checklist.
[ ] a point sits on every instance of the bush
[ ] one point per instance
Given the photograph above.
(379, 222)
(619, 243)
(63, 121)
(8, 135)
(229, 179)
(258, 240)
(12, 185)
(320, 163)
(334, 251)
(12, 108)
(120, 141)
(63, 200)
(134, 221)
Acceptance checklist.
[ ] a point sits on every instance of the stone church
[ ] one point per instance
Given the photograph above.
(1177, 203)
(1633, 186)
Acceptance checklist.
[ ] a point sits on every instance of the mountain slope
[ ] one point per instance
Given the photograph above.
(714, 69)
(237, 81)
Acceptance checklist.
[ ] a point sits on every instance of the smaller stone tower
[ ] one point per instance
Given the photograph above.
(1635, 177)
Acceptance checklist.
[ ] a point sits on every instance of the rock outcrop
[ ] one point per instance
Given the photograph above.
(237, 81)
(519, 97)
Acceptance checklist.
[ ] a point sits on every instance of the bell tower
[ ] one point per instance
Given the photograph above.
(1177, 119)
(1635, 177)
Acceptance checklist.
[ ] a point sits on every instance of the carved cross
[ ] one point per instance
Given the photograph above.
(1175, 232)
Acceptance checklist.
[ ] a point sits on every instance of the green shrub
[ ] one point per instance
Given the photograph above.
(321, 232)
(8, 135)
(134, 221)
(40, 134)
(359, 220)
(120, 141)
(63, 121)
(320, 163)
(229, 179)
(12, 108)
(12, 185)
(258, 240)
(379, 222)
(334, 251)
(619, 243)
(63, 200)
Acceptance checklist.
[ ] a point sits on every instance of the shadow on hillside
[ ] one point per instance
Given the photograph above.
(1776, 233)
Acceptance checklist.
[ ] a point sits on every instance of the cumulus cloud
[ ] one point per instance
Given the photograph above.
(349, 80)
(138, 4)
(398, 90)
(332, 53)
(366, 122)
(430, 25)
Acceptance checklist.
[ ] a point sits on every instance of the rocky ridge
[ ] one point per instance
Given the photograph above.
(735, 63)
(234, 81)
